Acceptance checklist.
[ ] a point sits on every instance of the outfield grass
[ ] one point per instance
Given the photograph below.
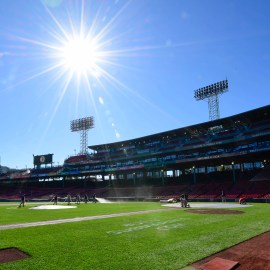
(162, 240)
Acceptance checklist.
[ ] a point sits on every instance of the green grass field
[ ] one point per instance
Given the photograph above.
(160, 240)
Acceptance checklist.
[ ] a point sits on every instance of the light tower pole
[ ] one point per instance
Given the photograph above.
(212, 92)
(82, 125)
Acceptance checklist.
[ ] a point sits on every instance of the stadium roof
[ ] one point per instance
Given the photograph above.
(237, 120)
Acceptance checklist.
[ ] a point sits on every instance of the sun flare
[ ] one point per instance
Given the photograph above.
(80, 55)
(82, 51)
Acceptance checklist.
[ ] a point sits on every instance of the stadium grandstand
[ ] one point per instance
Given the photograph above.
(228, 156)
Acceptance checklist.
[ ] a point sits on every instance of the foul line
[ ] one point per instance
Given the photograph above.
(69, 220)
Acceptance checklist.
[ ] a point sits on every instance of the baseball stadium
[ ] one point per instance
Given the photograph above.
(195, 197)
(162, 184)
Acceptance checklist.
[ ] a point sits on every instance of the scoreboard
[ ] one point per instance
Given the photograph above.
(43, 159)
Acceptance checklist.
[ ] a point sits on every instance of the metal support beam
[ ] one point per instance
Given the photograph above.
(213, 107)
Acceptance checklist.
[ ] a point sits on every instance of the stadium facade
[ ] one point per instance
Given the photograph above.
(230, 149)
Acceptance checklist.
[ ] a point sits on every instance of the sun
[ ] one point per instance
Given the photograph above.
(81, 50)
(80, 55)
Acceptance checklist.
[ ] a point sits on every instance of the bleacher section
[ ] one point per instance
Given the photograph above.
(76, 159)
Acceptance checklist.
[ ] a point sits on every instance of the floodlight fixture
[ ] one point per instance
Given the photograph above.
(212, 92)
(82, 125)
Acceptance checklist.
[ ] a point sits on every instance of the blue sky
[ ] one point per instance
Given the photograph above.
(152, 55)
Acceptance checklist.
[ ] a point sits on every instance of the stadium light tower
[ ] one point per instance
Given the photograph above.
(82, 125)
(212, 92)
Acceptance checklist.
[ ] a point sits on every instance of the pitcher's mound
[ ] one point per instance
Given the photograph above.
(215, 211)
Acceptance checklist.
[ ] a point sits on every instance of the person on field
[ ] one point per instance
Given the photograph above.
(22, 203)
(85, 198)
(183, 200)
(222, 196)
(78, 199)
(55, 199)
(186, 200)
(69, 199)
(242, 200)
(94, 198)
